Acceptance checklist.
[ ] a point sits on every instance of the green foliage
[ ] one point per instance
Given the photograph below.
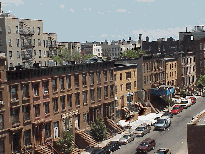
(169, 102)
(98, 130)
(182, 93)
(142, 51)
(66, 143)
(201, 81)
(129, 54)
(68, 55)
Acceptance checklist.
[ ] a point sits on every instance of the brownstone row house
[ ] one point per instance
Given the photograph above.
(38, 104)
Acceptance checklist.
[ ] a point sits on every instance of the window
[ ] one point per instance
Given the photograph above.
(105, 75)
(84, 117)
(1, 121)
(55, 104)
(135, 84)
(2, 146)
(0, 30)
(62, 100)
(120, 76)
(112, 108)
(26, 112)
(1, 98)
(144, 79)
(34, 51)
(38, 30)
(170, 74)
(27, 137)
(37, 110)
(33, 42)
(17, 42)
(56, 126)
(128, 75)
(98, 77)
(46, 106)
(111, 74)
(76, 80)
(46, 43)
(111, 90)
(15, 115)
(54, 85)
(115, 89)
(170, 66)
(45, 86)
(91, 78)
(1, 42)
(114, 77)
(128, 86)
(14, 93)
(29, 30)
(69, 82)
(77, 101)
(62, 83)
(84, 79)
(9, 29)
(18, 54)
(9, 42)
(39, 42)
(92, 92)
(22, 42)
(10, 54)
(85, 97)
(48, 130)
(106, 91)
(121, 86)
(99, 93)
(16, 29)
(36, 89)
(69, 99)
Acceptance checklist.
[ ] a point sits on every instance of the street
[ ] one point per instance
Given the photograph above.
(174, 138)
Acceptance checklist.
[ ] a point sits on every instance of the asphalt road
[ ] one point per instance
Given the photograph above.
(174, 138)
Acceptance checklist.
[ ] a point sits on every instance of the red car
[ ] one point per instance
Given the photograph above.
(177, 109)
(193, 100)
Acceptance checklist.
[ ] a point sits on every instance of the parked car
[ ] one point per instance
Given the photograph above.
(162, 123)
(193, 100)
(146, 145)
(203, 95)
(177, 109)
(142, 130)
(163, 151)
(126, 138)
(113, 146)
(96, 151)
(185, 103)
(159, 115)
(169, 114)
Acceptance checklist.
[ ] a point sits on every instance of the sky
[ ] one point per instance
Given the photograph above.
(97, 20)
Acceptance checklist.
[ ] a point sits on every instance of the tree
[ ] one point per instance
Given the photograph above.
(129, 54)
(142, 51)
(68, 55)
(98, 130)
(200, 81)
(182, 93)
(66, 143)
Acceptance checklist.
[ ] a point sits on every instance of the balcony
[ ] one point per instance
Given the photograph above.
(27, 46)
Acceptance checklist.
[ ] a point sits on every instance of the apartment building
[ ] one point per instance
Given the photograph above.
(24, 43)
(97, 50)
(125, 77)
(38, 104)
(195, 134)
(171, 71)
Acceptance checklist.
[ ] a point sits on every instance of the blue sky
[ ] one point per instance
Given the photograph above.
(97, 20)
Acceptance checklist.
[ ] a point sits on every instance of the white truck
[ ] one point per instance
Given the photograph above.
(185, 103)
(162, 123)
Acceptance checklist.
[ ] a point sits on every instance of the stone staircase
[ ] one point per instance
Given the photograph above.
(87, 138)
(114, 125)
(43, 149)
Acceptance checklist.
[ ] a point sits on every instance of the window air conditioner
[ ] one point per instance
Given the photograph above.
(1, 102)
(45, 92)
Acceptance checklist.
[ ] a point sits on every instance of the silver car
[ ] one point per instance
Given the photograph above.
(142, 130)
(127, 138)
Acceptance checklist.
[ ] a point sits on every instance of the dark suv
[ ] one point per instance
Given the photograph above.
(146, 145)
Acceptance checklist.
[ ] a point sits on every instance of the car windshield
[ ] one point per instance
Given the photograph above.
(160, 121)
(160, 152)
(126, 136)
(140, 129)
(144, 144)
(175, 108)
(184, 102)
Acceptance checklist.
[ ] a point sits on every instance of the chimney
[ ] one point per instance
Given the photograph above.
(186, 29)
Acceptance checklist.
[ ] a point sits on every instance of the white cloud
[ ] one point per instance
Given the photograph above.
(91, 36)
(103, 35)
(72, 10)
(160, 33)
(145, 0)
(17, 2)
(119, 36)
(62, 6)
(113, 35)
(108, 11)
(40, 4)
(84, 9)
(89, 9)
(121, 10)
(99, 13)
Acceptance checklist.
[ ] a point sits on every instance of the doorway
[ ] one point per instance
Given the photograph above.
(38, 135)
(16, 142)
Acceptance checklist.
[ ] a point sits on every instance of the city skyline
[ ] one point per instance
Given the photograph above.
(80, 21)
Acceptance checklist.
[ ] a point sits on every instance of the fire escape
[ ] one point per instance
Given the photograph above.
(26, 44)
